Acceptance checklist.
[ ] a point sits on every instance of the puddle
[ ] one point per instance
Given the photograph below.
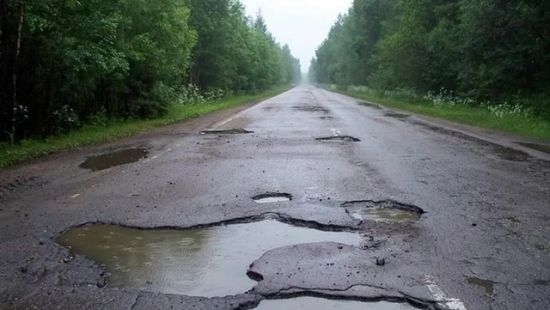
(311, 109)
(272, 197)
(538, 147)
(235, 131)
(487, 285)
(117, 158)
(208, 262)
(339, 138)
(383, 211)
(307, 303)
(396, 115)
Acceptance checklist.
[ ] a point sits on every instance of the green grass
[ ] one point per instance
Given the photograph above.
(529, 127)
(89, 135)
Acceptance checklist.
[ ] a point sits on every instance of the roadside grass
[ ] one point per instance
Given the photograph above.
(526, 126)
(94, 134)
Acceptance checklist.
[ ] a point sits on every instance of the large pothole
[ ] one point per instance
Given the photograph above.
(308, 303)
(206, 262)
(122, 157)
(383, 211)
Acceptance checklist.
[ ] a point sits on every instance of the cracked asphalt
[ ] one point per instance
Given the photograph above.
(482, 243)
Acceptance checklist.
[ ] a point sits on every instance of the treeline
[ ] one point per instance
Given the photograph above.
(65, 63)
(484, 50)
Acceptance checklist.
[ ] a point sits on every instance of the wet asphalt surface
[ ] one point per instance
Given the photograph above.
(482, 243)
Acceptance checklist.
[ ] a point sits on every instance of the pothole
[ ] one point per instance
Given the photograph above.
(307, 303)
(339, 138)
(486, 285)
(272, 197)
(396, 115)
(234, 131)
(210, 262)
(113, 159)
(383, 211)
(311, 109)
(326, 118)
(538, 147)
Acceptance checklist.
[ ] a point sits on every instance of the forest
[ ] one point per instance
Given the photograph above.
(66, 63)
(489, 53)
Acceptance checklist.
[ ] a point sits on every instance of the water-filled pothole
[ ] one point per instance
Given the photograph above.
(486, 285)
(307, 303)
(383, 211)
(234, 131)
(272, 197)
(339, 138)
(113, 159)
(206, 262)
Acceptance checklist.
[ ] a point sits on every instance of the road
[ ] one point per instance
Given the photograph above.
(481, 242)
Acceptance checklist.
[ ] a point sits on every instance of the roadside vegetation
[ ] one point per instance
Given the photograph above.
(109, 129)
(484, 63)
(76, 72)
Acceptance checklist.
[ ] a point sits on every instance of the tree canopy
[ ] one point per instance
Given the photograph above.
(68, 62)
(483, 49)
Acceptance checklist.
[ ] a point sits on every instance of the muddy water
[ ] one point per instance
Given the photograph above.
(117, 158)
(199, 262)
(385, 215)
(308, 303)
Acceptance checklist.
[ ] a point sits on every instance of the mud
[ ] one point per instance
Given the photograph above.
(206, 262)
(339, 138)
(118, 158)
(272, 197)
(307, 303)
(235, 131)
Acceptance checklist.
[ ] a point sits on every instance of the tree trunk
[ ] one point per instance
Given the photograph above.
(14, 76)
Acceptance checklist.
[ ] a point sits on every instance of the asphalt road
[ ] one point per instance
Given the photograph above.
(482, 243)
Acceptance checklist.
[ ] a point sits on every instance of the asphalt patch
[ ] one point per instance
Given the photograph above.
(234, 131)
(118, 158)
(339, 138)
(272, 197)
(204, 261)
(307, 303)
(387, 211)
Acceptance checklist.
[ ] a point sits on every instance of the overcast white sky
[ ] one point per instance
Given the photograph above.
(302, 24)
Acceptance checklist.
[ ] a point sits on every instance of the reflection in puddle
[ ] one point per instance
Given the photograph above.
(383, 211)
(117, 158)
(198, 262)
(487, 285)
(307, 303)
(386, 215)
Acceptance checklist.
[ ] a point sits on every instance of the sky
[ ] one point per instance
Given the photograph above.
(302, 24)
